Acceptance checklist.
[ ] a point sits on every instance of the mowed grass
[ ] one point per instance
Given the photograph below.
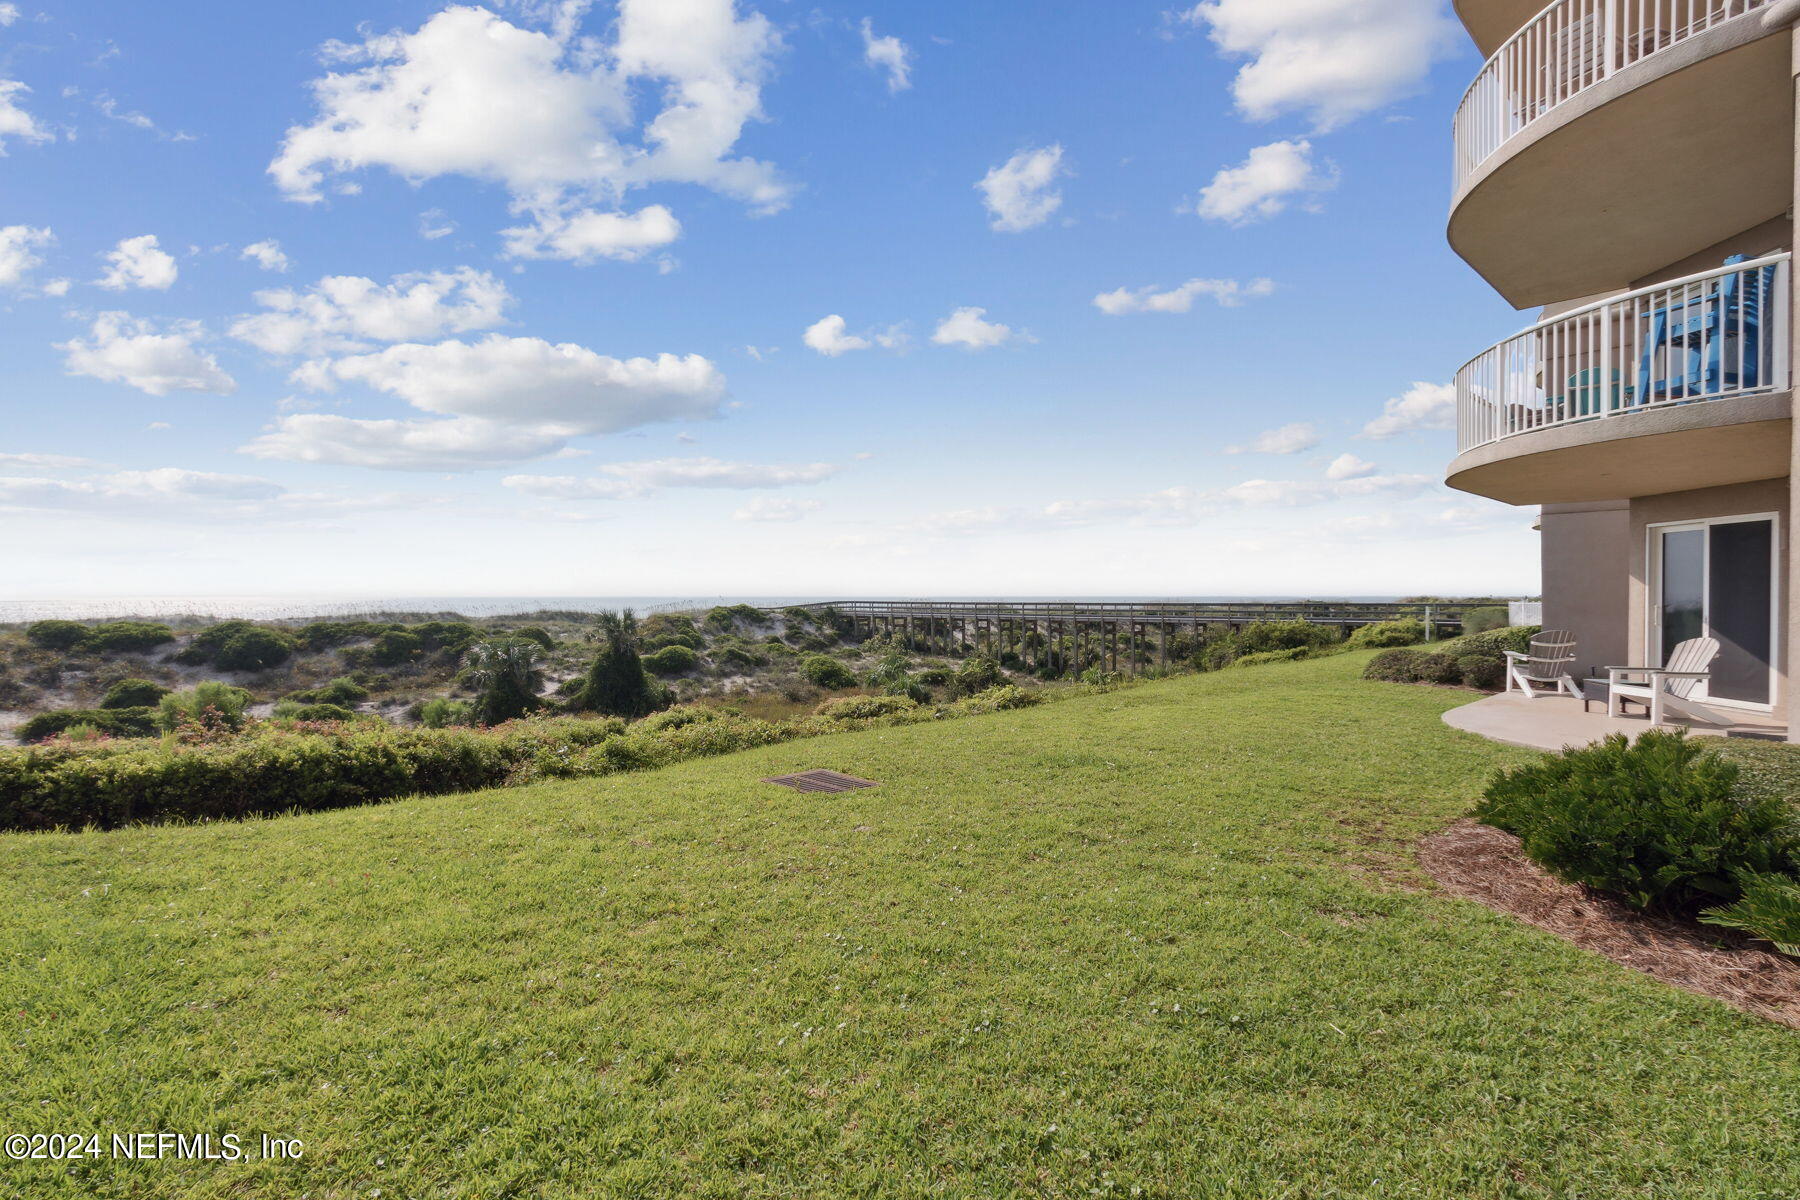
(1146, 943)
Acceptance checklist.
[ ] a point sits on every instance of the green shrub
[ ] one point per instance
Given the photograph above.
(668, 629)
(935, 676)
(56, 634)
(1407, 665)
(326, 635)
(1484, 671)
(1384, 634)
(396, 647)
(1495, 641)
(976, 675)
(1273, 656)
(1481, 620)
(536, 633)
(453, 637)
(616, 685)
(204, 646)
(1220, 650)
(736, 654)
(111, 722)
(672, 659)
(254, 649)
(127, 637)
(1768, 909)
(133, 693)
(726, 618)
(504, 673)
(1656, 822)
(999, 699)
(293, 710)
(865, 708)
(827, 672)
(342, 691)
(208, 705)
(443, 713)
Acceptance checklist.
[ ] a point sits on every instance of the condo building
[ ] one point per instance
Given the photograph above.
(1626, 169)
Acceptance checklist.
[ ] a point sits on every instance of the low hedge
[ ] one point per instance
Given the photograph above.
(134, 722)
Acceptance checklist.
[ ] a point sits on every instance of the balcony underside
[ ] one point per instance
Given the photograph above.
(1677, 448)
(1683, 149)
(1491, 22)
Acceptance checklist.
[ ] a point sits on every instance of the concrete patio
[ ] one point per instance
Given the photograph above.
(1553, 722)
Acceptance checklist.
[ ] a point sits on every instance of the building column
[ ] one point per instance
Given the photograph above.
(1791, 583)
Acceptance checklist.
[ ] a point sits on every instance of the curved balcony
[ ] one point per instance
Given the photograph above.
(1656, 390)
(1491, 22)
(1606, 138)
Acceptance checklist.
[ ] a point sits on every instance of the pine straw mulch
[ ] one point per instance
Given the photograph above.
(1486, 865)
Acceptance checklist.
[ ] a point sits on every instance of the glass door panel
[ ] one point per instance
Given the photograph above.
(1683, 597)
(1740, 609)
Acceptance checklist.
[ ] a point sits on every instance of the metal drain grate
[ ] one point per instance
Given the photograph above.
(822, 781)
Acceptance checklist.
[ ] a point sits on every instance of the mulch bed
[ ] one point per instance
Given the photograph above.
(1486, 864)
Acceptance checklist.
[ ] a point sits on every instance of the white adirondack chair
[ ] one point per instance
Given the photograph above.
(1552, 654)
(1669, 688)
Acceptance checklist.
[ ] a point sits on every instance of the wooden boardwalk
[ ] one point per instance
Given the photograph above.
(1112, 635)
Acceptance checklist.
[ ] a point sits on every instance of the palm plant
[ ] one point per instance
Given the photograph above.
(504, 674)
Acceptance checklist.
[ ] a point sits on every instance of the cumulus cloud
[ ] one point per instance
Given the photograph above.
(435, 223)
(1330, 60)
(1289, 439)
(123, 349)
(887, 54)
(1264, 184)
(967, 327)
(776, 508)
(582, 237)
(267, 255)
(45, 462)
(1021, 192)
(348, 312)
(1228, 293)
(619, 481)
(1348, 466)
(138, 263)
(508, 399)
(8, 14)
(18, 252)
(827, 336)
(15, 122)
(1423, 406)
(544, 113)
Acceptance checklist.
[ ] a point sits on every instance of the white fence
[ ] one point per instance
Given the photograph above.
(1566, 49)
(1711, 336)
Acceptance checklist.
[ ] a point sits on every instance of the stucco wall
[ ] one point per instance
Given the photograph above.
(1587, 564)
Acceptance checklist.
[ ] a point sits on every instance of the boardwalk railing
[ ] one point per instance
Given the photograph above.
(1113, 635)
(1712, 336)
(1565, 50)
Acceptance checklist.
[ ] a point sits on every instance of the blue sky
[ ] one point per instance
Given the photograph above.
(397, 298)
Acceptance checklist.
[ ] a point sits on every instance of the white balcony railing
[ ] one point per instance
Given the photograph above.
(1566, 49)
(1712, 336)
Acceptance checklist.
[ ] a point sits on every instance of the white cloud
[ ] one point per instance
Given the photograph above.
(1170, 506)
(888, 54)
(8, 14)
(965, 327)
(619, 481)
(1264, 184)
(1348, 466)
(827, 336)
(268, 255)
(138, 263)
(18, 257)
(15, 121)
(126, 350)
(160, 492)
(1289, 439)
(435, 223)
(1332, 60)
(347, 312)
(581, 237)
(1021, 192)
(46, 462)
(462, 444)
(1229, 293)
(542, 112)
(1293, 492)
(776, 508)
(1422, 406)
(57, 287)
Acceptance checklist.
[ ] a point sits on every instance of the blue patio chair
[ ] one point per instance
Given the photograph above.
(1695, 335)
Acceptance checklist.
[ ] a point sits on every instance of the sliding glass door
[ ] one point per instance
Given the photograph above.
(1716, 578)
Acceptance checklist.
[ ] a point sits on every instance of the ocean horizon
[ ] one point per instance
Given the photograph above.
(288, 608)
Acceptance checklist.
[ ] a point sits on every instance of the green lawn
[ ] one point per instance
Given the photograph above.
(1133, 944)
